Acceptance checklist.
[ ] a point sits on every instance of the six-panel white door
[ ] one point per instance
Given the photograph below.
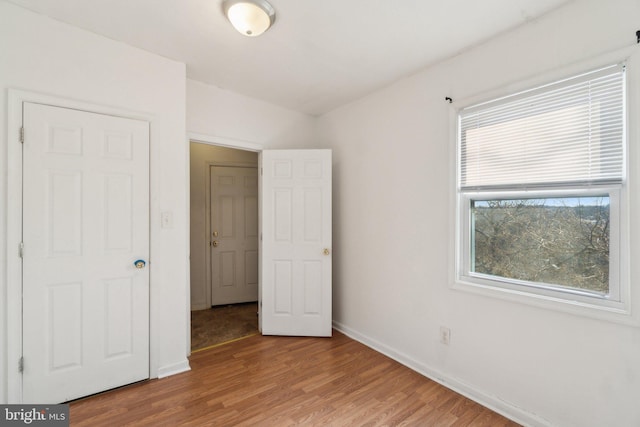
(234, 234)
(85, 222)
(295, 268)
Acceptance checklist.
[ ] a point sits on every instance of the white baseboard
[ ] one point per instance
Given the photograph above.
(494, 403)
(176, 368)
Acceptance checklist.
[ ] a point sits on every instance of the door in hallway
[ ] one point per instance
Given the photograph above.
(234, 234)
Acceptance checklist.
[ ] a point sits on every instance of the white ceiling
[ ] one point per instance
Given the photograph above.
(318, 55)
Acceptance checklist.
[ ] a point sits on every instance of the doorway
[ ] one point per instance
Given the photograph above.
(216, 314)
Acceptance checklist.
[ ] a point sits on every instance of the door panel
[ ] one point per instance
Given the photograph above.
(295, 291)
(234, 228)
(64, 307)
(85, 221)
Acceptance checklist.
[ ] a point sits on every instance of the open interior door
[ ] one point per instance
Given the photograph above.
(295, 246)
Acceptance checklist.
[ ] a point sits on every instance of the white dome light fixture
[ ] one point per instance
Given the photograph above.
(249, 17)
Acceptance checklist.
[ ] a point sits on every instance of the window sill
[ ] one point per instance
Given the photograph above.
(620, 314)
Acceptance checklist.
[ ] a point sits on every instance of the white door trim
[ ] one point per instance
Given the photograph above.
(224, 142)
(16, 98)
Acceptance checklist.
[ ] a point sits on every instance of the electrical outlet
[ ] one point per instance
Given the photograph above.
(445, 335)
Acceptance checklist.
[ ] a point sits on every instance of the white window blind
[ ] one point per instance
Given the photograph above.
(569, 132)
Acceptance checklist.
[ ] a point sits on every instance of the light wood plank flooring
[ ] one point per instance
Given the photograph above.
(286, 381)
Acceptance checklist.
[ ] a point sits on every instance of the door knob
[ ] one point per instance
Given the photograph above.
(139, 264)
(214, 243)
(326, 251)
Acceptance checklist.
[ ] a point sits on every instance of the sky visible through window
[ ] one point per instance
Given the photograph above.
(553, 201)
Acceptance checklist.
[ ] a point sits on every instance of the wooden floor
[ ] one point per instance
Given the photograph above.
(286, 381)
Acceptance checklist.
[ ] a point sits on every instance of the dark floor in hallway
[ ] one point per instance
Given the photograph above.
(223, 323)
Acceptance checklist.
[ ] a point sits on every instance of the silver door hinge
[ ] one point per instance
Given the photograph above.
(22, 135)
(21, 365)
(261, 171)
(21, 250)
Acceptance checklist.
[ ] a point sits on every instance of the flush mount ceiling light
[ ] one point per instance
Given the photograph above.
(249, 17)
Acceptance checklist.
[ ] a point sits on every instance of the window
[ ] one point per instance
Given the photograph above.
(541, 180)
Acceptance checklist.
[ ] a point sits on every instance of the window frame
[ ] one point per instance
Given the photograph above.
(616, 306)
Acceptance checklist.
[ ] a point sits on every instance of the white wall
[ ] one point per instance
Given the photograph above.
(45, 56)
(393, 186)
(224, 115)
